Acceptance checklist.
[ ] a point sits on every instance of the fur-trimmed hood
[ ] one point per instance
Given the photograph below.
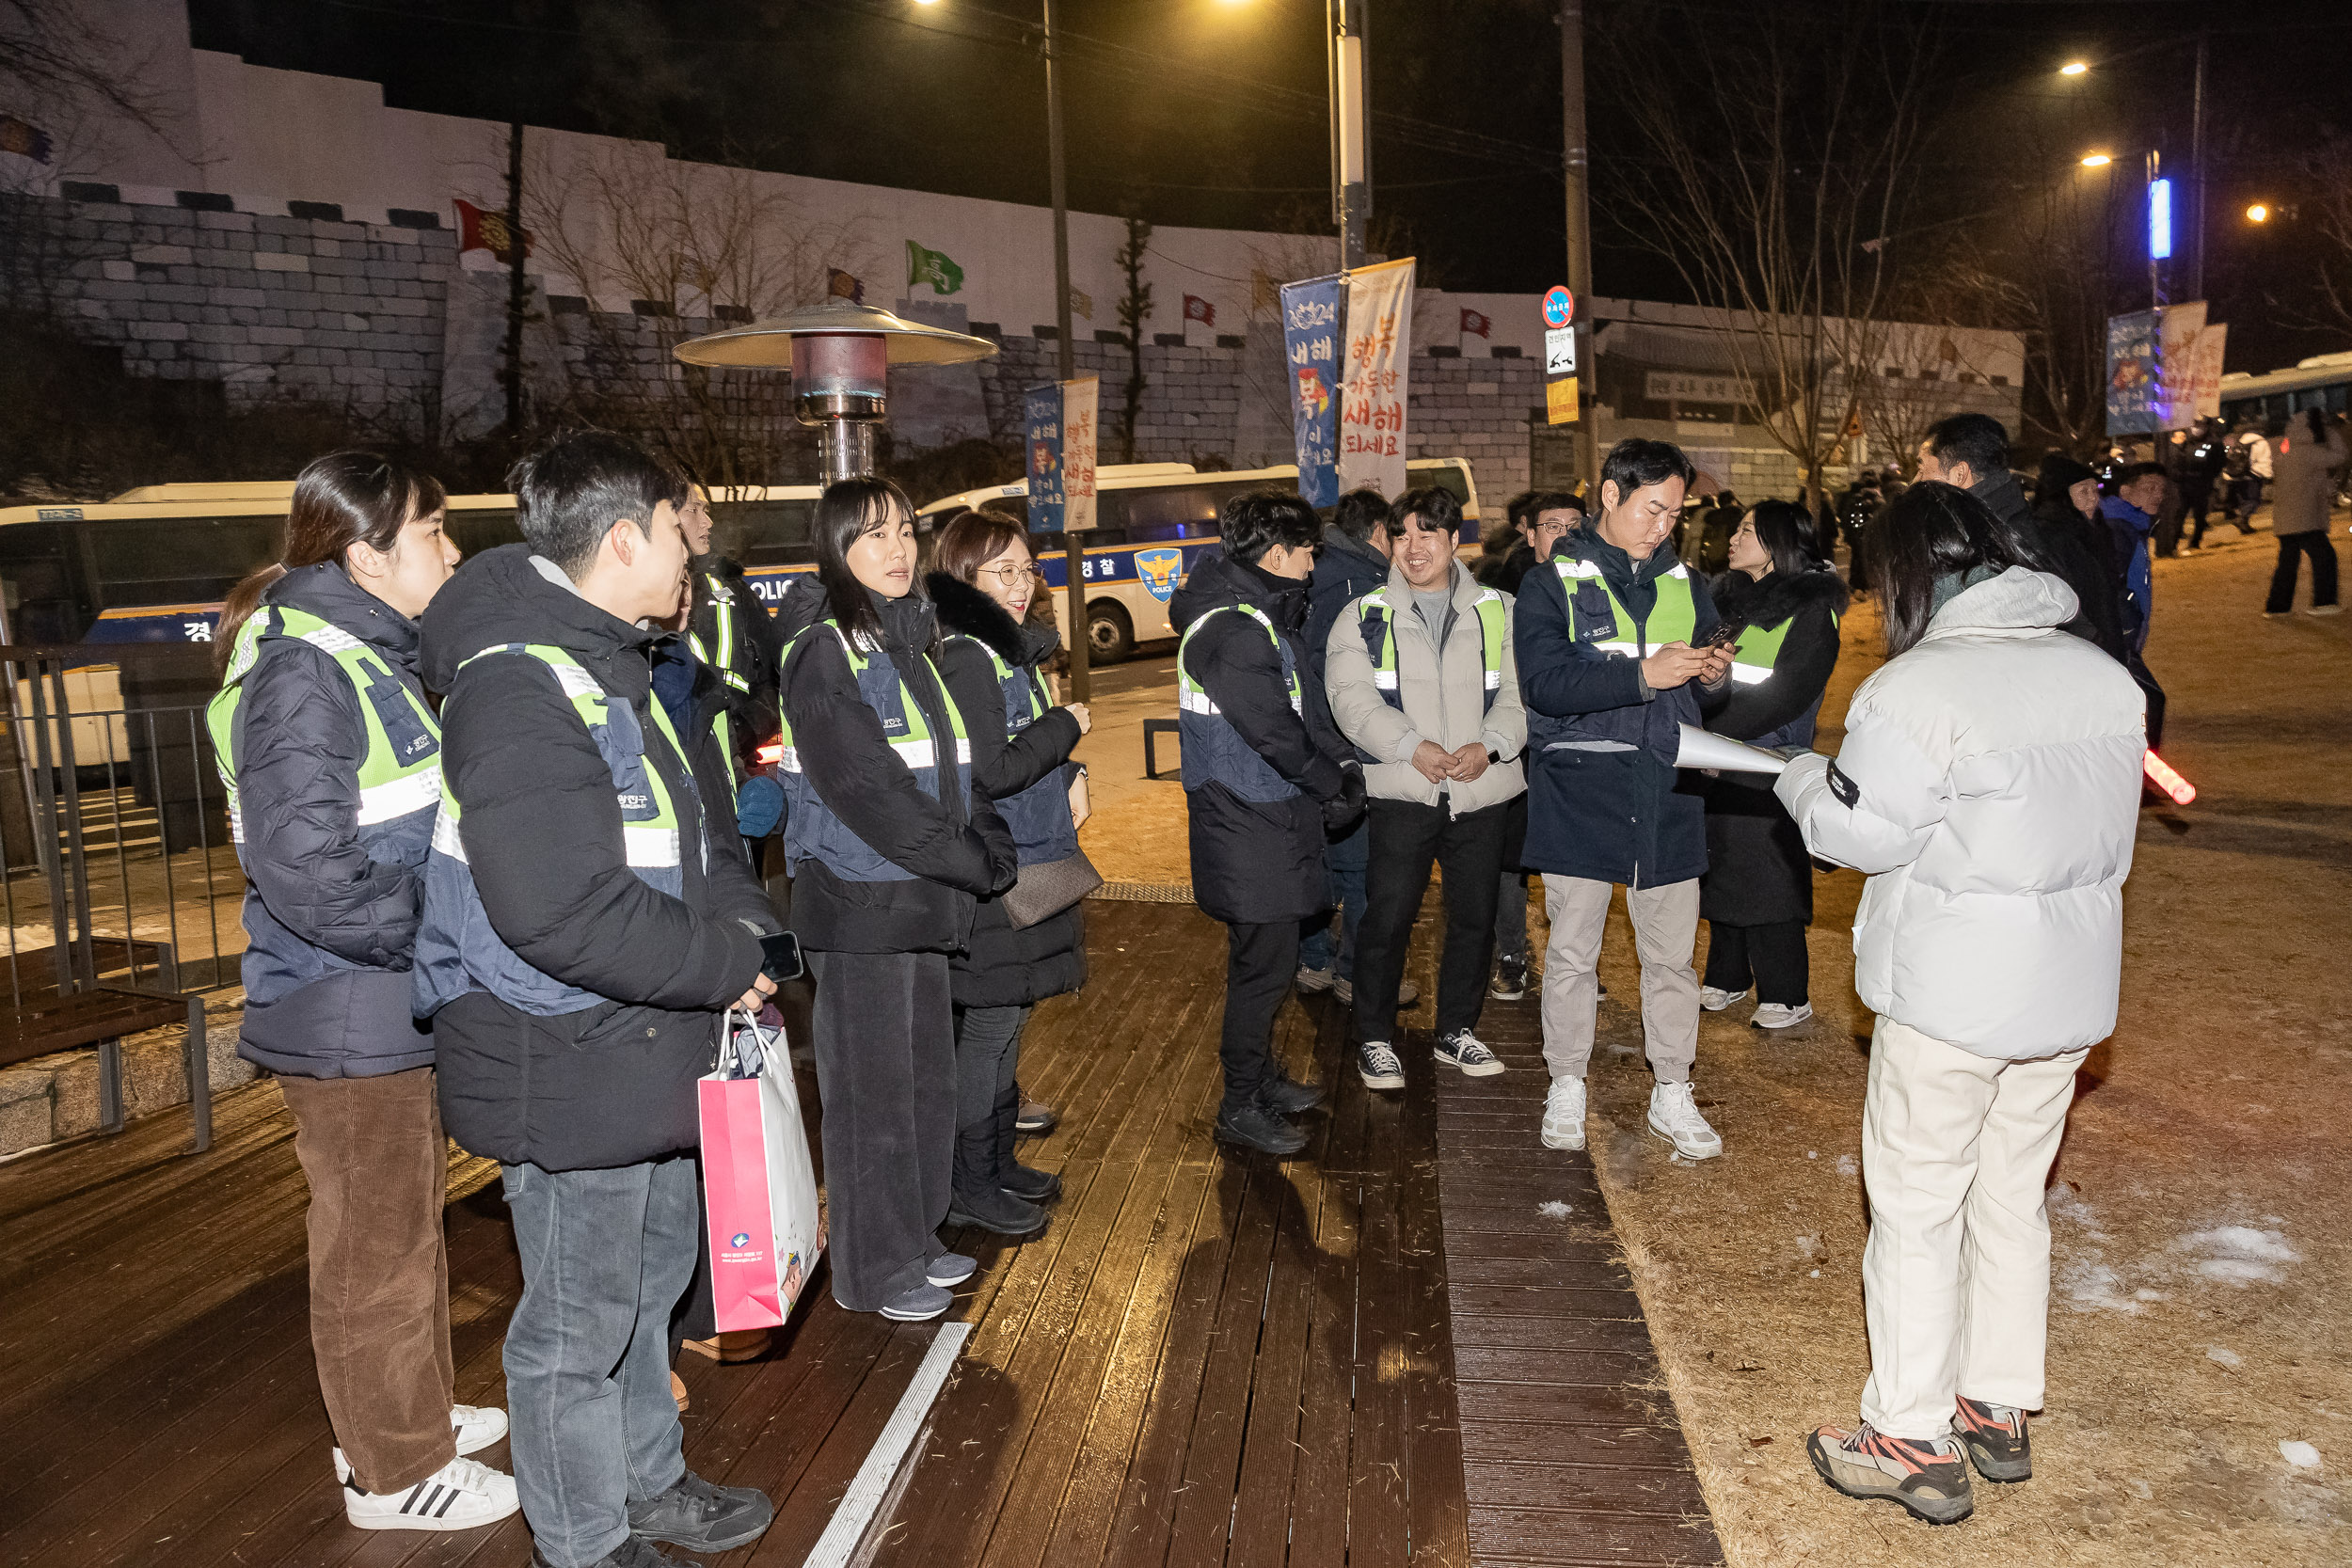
(1767, 603)
(965, 611)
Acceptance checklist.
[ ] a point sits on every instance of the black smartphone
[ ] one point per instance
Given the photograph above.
(780, 958)
(1724, 635)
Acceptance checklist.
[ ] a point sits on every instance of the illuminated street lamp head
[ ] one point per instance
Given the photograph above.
(2073, 68)
(2258, 213)
(2097, 160)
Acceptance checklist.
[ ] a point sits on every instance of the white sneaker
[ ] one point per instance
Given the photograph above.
(1563, 1114)
(1674, 1114)
(1715, 999)
(2324, 609)
(1378, 1065)
(463, 1494)
(1311, 982)
(475, 1427)
(1775, 1015)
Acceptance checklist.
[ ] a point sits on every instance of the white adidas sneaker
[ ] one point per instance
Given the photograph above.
(474, 1426)
(464, 1493)
(1674, 1114)
(1563, 1114)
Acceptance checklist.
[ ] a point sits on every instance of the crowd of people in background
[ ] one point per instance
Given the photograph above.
(505, 824)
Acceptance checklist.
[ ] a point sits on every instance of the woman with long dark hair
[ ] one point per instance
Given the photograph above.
(890, 842)
(984, 583)
(1988, 786)
(1758, 892)
(331, 759)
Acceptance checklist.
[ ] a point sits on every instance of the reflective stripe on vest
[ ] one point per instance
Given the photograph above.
(1673, 619)
(1376, 617)
(1214, 751)
(914, 746)
(1040, 814)
(400, 775)
(719, 657)
(1759, 651)
(1191, 698)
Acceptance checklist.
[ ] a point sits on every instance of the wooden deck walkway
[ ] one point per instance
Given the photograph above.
(1371, 1356)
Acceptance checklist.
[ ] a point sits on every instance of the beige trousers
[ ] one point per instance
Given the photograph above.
(1665, 931)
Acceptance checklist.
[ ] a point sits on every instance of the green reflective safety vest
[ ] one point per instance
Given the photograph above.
(1599, 621)
(1214, 751)
(1759, 650)
(400, 780)
(720, 655)
(1040, 814)
(812, 830)
(1375, 616)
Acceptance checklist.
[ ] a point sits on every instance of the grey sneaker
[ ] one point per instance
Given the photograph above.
(1465, 1051)
(919, 1304)
(951, 1268)
(1930, 1480)
(701, 1517)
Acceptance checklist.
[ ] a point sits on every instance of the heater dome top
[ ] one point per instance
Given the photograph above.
(768, 345)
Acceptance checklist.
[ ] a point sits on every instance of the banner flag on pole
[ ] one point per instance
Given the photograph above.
(1373, 390)
(2181, 327)
(1059, 419)
(2212, 343)
(2132, 387)
(935, 267)
(1311, 349)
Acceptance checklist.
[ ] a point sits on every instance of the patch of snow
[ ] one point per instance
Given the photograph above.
(2143, 1293)
(2301, 1455)
(1812, 1153)
(2239, 1254)
(2066, 1204)
(2224, 1357)
(1554, 1209)
(2091, 1286)
(2139, 1489)
(1846, 1165)
(1814, 1274)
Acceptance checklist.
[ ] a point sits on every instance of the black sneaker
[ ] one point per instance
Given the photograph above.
(1995, 1438)
(632, 1553)
(1255, 1127)
(701, 1517)
(1285, 1096)
(1510, 981)
(1029, 1184)
(996, 1210)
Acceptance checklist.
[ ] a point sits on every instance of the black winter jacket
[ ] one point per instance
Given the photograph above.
(1506, 571)
(2050, 546)
(1257, 863)
(1346, 571)
(1609, 816)
(313, 900)
(758, 651)
(1758, 871)
(612, 1085)
(956, 850)
(1005, 967)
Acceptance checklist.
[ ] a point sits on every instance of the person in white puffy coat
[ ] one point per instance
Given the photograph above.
(1989, 787)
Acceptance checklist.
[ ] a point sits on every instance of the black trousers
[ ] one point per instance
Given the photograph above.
(2292, 548)
(1406, 837)
(1772, 956)
(1259, 963)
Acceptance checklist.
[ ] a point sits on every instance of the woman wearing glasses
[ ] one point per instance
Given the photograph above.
(984, 581)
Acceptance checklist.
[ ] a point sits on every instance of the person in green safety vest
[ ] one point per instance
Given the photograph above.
(1616, 646)
(331, 758)
(1757, 896)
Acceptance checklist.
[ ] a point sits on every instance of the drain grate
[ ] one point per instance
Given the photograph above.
(1145, 892)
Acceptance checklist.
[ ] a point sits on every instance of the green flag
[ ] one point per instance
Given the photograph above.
(932, 267)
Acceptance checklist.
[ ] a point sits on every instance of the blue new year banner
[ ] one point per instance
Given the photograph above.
(1311, 343)
(1059, 424)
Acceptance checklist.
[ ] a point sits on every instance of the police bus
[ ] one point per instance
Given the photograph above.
(2266, 402)
(1153, 521)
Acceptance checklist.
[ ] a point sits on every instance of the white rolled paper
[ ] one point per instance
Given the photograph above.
(1702, 749)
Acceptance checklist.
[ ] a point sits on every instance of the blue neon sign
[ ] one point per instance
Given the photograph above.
(2159, 220)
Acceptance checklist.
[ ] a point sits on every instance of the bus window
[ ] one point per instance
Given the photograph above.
(177, 559)
(473, 531)
(763, 532)
(37, 585)
(1157, 515)
(1446, 478)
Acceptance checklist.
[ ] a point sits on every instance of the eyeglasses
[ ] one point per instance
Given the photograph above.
(1011, 576)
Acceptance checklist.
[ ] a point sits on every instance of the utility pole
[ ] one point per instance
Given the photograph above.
(517, 286)
(1580, 238)
(2197, 173)
(1073, 556)
(1351, 114)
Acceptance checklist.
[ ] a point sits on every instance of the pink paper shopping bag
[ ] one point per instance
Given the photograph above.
(766, 1229)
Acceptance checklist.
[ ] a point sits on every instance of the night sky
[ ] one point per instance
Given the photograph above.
(1212, 112)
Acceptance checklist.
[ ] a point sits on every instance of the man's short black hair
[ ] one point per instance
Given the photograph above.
(1976, 439)
(2132, 473)
(1432, 504)
(1255, 521)
(1524, 508)
(1634, 463)
(1358, 513)
(570, 492)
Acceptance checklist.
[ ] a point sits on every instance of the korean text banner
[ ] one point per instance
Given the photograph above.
(1311, 345)
(2178, 334)
(1058, 420)
(2134, 396)
(1372, 393)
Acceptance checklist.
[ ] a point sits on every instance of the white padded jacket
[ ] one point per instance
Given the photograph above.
(1988, 786)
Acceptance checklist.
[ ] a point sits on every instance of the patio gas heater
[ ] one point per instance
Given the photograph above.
(839, 354)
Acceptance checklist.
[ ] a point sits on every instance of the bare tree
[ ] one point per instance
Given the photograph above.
(1773, 166)
(2326, 209)
(686, 245)
(1135, 310)
(55, 60)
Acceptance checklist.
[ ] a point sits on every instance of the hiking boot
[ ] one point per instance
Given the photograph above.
(701, 1517)
(461, 1495)
(996, 1210)
(1465, 1051)
(917, 1304)
(951, 1268)
(1378, 1065)
(1930, 1480)
(1030, 1184)
(1777, 1015)
(1674, 1114)
(1287, 1097)
(1510, 981)
(1563, 1114)
(1255, 1127)
(1995, 1438)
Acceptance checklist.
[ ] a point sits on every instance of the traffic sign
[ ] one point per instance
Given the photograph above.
(1558, 307)
(1559, 351)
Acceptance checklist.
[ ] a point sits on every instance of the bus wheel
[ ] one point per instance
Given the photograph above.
(1110, 635)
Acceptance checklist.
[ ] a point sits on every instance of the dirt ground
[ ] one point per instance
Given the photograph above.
(2201, 1273)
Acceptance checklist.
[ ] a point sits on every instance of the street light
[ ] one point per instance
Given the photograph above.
(2258, 213)
(2097, 160)
(2073, 68)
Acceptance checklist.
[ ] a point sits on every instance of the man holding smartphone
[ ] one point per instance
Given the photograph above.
(1616, 640)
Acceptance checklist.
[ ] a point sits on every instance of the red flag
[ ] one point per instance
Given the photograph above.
(840, 285)
(1476, 325)
(482, 228)
(1199, 309)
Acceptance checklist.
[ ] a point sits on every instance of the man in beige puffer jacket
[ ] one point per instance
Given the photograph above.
(1421, 679)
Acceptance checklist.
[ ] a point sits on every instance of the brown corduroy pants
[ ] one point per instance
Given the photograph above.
(377, 1160)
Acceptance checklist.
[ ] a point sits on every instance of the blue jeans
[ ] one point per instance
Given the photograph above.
(606, 1254)
(1343, 865)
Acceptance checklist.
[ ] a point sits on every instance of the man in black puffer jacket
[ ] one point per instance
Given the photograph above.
(586, 917)
(1263, 784)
